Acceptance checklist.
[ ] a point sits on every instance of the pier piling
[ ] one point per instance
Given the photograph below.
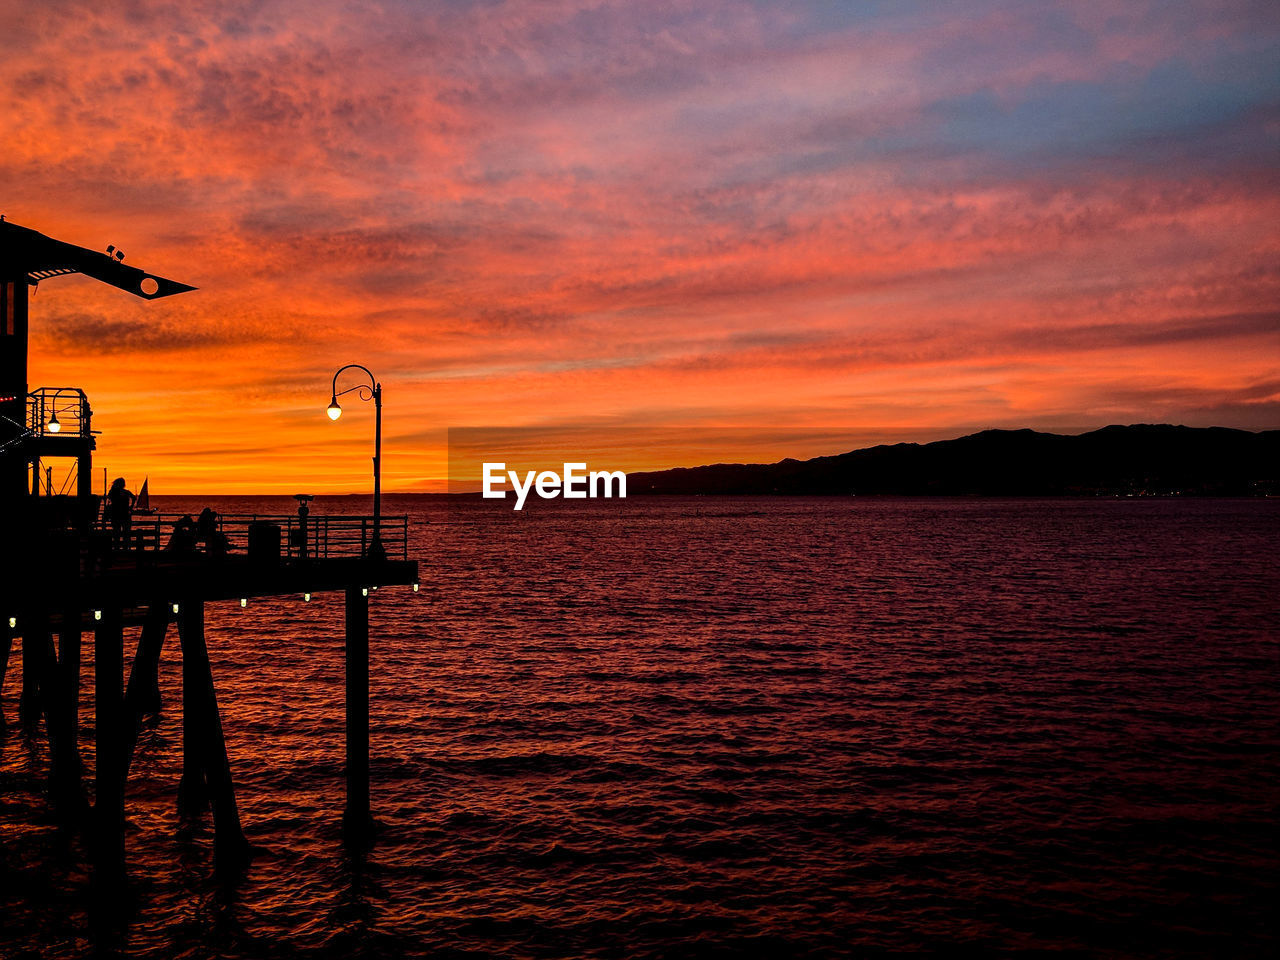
(142, 693)
(108, 643)
(193, 795)
(144, 679)
(357, 822)
(63, 715)
(34, 639)
(6, 647)
(204, 747)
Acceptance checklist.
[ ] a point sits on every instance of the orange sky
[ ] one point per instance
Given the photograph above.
(828, 225)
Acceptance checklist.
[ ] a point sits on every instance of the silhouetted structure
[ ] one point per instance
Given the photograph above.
(60, 574)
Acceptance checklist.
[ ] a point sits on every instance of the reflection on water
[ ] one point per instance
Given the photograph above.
(729, 727)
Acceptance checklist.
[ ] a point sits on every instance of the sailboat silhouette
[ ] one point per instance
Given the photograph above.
(142, 503)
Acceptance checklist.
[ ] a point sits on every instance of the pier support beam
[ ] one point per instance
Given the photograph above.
(144, 678)
(63, 714)
(6, 646)
(357, 822)
(108, 641)
(142, 695)
(204, 747)
(193, 795)
(35, 642)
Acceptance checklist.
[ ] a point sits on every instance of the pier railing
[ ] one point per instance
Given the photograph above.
(58, 411)
(326, 535)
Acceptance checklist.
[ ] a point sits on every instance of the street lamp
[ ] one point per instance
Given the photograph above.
(49, 396)
(367, 391)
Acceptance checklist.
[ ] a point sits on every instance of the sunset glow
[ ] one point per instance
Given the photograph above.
(781, 216)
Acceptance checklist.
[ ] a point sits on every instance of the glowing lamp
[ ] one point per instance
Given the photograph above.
(366, 391)
(53, 426)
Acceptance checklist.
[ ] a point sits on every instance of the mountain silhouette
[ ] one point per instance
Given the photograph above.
(1140, 459)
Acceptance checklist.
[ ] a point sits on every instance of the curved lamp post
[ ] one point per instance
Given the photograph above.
(367, 391)
(54, 425)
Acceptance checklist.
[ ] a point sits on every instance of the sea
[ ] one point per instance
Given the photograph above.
(721, 727)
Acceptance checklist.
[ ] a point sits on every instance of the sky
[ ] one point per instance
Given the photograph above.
(825, 224)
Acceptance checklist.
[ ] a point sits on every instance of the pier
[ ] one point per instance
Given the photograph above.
(69, 571)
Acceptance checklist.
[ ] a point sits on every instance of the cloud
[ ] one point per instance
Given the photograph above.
(514, 208)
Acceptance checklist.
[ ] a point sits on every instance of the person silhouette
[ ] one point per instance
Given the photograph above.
(183, 539)
(120, 512)
(207, 532)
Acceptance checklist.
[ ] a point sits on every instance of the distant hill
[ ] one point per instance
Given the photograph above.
(1141, 459)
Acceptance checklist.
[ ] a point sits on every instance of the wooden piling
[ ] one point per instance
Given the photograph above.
(63, 716)
(142, 693)
(144, 679)
(108, 642)
(203, 741)
(6, 646)
(34, 639)
(357, 822)
(193, 796)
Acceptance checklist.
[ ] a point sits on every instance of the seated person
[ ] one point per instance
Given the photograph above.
(183, 538)
(215, 541)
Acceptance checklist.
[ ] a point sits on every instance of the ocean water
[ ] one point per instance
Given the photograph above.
(725, 728)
